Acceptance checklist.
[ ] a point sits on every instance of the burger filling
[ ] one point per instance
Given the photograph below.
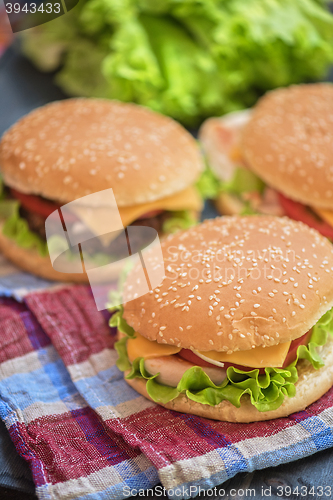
(267, 375)
(24, 216)
(243, 192)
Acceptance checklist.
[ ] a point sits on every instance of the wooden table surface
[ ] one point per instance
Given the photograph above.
(23, 88)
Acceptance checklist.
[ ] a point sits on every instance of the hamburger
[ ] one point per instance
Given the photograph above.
(70, 149)
(240, 329)
(277, 157)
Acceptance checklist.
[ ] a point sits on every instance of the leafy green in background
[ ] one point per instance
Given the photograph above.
(186, 58)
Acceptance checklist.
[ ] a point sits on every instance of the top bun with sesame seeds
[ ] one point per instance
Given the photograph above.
(235, 283)
(74, 148)
(71, 148)
(288, 142)
(276, 158)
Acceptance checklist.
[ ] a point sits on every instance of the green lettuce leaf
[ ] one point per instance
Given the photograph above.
(319, 337)
(122, 361)
(181, 219)
(243, 181)
(208, 185)
(17, 228)
(186, 58)
(266, 391)
(118, 321)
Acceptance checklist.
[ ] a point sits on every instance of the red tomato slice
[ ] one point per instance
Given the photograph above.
(193, 358)
(291, 356)
(35, 204)
(45, 208)
(299, 212)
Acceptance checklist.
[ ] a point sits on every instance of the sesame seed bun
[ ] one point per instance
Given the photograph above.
(288, 142)
(68, 149)
(235, 283)
(311, 385)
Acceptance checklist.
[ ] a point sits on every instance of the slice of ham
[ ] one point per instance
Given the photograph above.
(172, 368)
(268, 203)
(220, 138)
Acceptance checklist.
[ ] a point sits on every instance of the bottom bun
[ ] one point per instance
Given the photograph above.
(311, 385)
(31, 261)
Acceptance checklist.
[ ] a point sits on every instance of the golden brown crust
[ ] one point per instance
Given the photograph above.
(234, 283)
(311, 385)
(71, 148)
(288, 142)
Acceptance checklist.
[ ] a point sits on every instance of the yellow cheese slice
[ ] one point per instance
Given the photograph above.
(259, 357)
(140, 347)
(327, 215)
(188, 199)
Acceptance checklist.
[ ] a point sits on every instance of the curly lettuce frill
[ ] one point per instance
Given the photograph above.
(266, 391)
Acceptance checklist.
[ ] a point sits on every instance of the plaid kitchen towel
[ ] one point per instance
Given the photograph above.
(87, 434)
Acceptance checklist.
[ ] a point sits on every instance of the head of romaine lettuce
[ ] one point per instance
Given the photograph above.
(187, 58)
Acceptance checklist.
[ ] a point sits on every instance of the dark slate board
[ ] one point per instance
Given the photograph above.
(23, 88)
